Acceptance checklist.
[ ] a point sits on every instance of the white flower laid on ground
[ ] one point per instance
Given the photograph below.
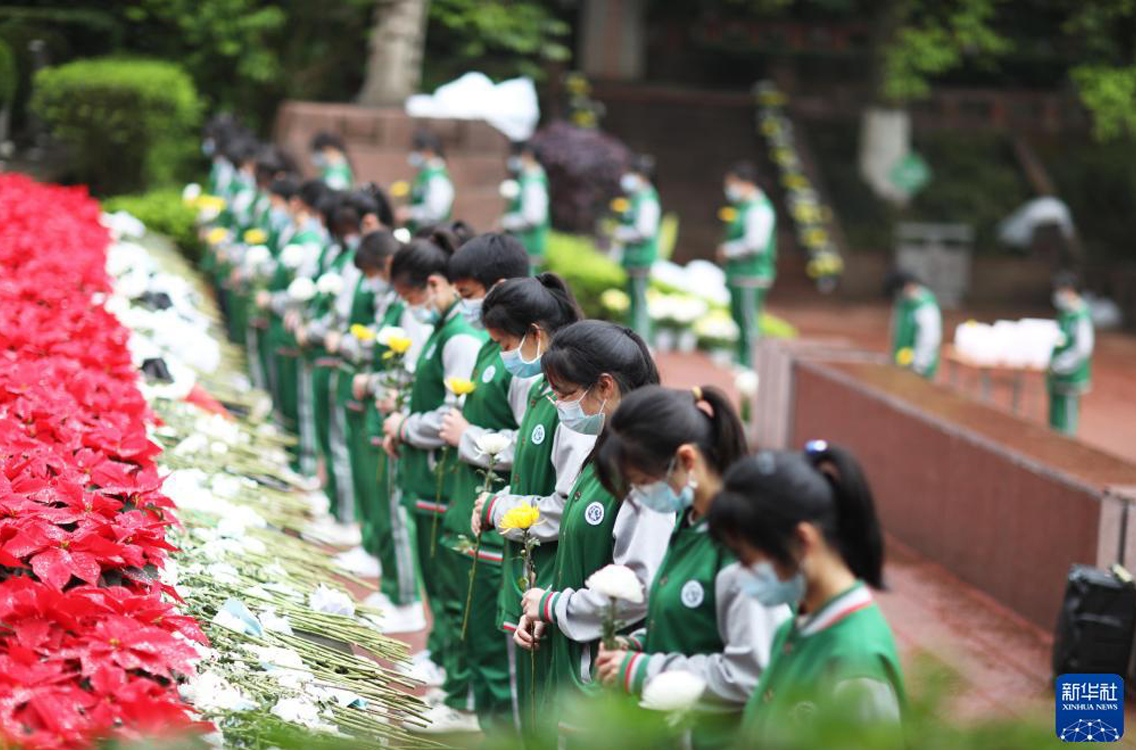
(616, 582)
(300, 711)
(492, 443)
(330, 283)
(331, 602)
(301, 289)
(678, 690)
(210, 691)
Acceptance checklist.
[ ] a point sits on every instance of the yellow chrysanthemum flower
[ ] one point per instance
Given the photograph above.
(522, 517)
(362, 332)
(905, 356)
(399, 344)
(460, 386)
(216, 235)
(399, 189)
(620, 205)
(256, 237)
(728, 214)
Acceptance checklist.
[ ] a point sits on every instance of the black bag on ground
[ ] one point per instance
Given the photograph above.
(1095, 626)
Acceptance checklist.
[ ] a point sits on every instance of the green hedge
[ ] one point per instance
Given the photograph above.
(7, 74)
(130, 123)
(164, 212)
(587, 271)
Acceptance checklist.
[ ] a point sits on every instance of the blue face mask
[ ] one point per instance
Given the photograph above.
(660, 496)
(573, 416)
(471, 311)
(761, 582)
(516, 364)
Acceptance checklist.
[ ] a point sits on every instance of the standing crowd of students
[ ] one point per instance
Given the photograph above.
(441, 391)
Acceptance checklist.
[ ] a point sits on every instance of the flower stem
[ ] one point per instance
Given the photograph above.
(439, 473)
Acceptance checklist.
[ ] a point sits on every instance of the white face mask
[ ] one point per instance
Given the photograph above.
(471, 311)
(734, 194)
(416, 159)
(629, 183)
(573, 416)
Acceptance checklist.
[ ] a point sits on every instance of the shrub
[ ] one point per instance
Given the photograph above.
(130, 123)
(162, 211)
(589, 272)
(583, 167)
(7, 74)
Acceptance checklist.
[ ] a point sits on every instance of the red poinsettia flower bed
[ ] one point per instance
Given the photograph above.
(87, 644)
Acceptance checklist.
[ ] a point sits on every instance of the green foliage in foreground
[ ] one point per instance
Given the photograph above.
(164, 212)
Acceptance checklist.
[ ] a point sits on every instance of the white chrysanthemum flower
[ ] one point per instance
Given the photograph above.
(617, 582)
(510, 189)
(258, 256)
(672, 691)
(292, 256)
(300, 711)
(330, 283)
(332, 602)
(386, 333)
(191, 192)
(301, 289)
(746, 382)
(210, 691)
(492, 443)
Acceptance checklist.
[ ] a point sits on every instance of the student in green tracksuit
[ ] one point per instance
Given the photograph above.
(298, 259)
(636, 238)
(804, 527)
(431, 192)
(592, 366)
(523, 315)
(527, 217)
(1070, 366)
(387, 526)
(420, 274)
(320, 366)
(668, 449)
(329, 157)
(916, 325)
(281, 193)
(749, 254)
(495, 406)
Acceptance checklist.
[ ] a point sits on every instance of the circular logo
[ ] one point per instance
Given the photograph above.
(594, 513)
(430, 352)
(487, 376)
(803, 713)
(538, 434)
(692, 594)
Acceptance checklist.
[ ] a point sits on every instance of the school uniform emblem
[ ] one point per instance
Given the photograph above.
(692, 594)
(594, 513)
(487, 376)
(537, 433)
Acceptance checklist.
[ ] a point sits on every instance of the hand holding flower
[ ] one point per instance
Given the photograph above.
(454, 425)
(530, 603)
(608, 663)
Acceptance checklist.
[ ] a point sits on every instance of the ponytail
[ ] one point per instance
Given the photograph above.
(650, 424)
(857, 533)
(765, 497)
(515, 305)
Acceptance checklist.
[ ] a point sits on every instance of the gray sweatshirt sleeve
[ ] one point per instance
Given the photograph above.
(746, 628)
(646, 224)
(1082, 349)
(641, 537)
(759, 225)
(928, 336)
(459, 356)
(569, 451)
(436, 203)
(518, 402)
